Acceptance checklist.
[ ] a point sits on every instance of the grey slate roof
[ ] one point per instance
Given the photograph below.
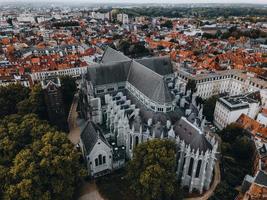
(116, 67)
(149, 83)
(111, 55)
(146, 113)
(187, 132)
(90, 135)
(108, 73)
(160, 65)
(261, 178)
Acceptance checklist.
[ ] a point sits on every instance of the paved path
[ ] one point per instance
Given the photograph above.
(216, 181)
(89, 189)
(74, 133)
(89, 192)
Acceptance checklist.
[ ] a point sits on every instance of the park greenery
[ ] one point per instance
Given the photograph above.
(37, 161)
(17, 99)
(197, 11)
(237, 152)
(69, 88)
(133, 50)
(236, 33)
(9, 98)
(151, 172)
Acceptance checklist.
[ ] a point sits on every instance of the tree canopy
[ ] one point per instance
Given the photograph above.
(167, 24)
(237, 152)
(36, 161)
(209, 107)
(151, 172)
(191, 85)
(34, 104)
(10, 96)
(16, 98)
(69, 88)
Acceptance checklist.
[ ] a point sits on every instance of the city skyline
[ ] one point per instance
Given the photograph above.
(151, 1)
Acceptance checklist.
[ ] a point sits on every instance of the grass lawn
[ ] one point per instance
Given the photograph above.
(115, 187)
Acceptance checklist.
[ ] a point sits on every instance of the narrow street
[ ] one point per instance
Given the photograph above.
(89, 189)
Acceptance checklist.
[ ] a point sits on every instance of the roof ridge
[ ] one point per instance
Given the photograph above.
(148, 69)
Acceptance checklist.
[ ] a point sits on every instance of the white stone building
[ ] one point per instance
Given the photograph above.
(233, 82)
(74, 72)
(228, 109)
(97, 151)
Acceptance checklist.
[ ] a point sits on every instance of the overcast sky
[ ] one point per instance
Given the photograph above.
(152, 1)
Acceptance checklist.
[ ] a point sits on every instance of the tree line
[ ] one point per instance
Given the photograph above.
(37, 161)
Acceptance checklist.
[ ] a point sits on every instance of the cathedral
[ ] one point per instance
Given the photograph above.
(130, 101)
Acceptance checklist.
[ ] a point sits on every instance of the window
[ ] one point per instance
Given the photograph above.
(99, 91)
(198, 168)
(190, 167)
(121, 87)
(168, 109)
(104, 159)
(136, 140)
(110, 89)
(160, 109)
(100, 159)
(96, 162)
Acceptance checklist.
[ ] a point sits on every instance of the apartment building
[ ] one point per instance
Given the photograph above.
(228, 109)
(233, 82)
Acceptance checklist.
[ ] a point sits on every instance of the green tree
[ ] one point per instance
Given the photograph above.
(10, 21)
(34, 104)
(224, 191)
(191, 85)
(231, 132)
(151, 172)
(243, 148)
(36, 161)
(10, 96)
(209, 107)
(69, 88)
(124, 46)
(167, 24)
(199, 100)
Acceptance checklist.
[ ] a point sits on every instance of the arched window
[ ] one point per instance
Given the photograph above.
(190, 167)
(183, 163)
(104, 159)
(136, 140)
(198, 168)
(100, 159)
(96, 162)
(131, 140)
